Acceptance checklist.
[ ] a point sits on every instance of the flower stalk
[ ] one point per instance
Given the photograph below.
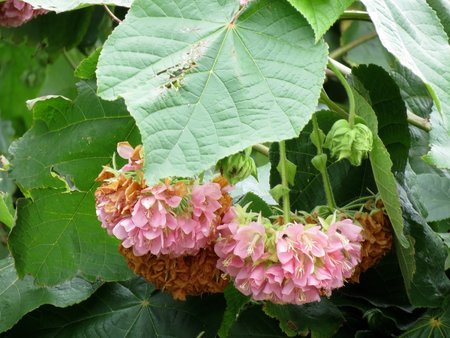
(284, 183)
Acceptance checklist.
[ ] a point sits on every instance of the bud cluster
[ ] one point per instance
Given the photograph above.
(291, 263)
(14, 13)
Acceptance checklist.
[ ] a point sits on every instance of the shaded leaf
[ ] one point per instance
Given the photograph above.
(426, 282)
(320, 319)
(211, 81)
(254, 323)
(321, 14)
(127, 309)
(424, 49)
(257, 204)
(6, 210)
(433, 191)
(434, 324)
(236, 302)
(21, 296)
(386, 101)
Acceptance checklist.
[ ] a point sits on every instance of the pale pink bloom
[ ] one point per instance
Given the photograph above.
(205, 202)
(14, 13)
(250, 241)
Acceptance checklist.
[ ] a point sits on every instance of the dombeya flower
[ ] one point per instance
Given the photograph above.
(353, 143)
(14, 13)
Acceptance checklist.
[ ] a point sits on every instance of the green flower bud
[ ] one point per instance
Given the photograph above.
(353, 144)
(237, 167)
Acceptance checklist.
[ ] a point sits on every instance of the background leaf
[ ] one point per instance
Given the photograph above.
(67, 5)
(236, 301)
(233, 91)
(424, 50)
(321, 14)
(127, 309)
(21, 296)
(319, 319)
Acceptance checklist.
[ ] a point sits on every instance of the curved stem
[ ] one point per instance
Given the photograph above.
(331, 202)
(348, 89)
(418, 121)
(284, 182)
(324, 98)
(353, 44)
(355, 15)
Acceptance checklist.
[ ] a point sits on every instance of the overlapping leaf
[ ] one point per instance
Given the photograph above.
(129, 309)
(204, 80)
(21, 296)
(57, 234)
(68, 5)
(424, 49)
(321, 14)
(433, 191)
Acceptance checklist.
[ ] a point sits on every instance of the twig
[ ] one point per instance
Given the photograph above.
(111, 14)
(355, 15)
(355, 43)
(418, 121)
(261, 148)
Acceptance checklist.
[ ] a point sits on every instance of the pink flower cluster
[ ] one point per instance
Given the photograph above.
(154, 225)
(167, 218)
(14, 13)
(293, 264)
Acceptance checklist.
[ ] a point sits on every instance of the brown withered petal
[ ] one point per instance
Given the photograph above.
(377, 243)
(181, 276)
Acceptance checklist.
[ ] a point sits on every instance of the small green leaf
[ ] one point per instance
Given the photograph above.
(86, 68)
(6, 212)
(321, 14)
(257, 204)
(128, 309)
(68, 5)
(236, 301)
(291, 170)
(320, 319)
(202, 53)
(20, 296)
(278, 191)
(387, 187)
(320, 162)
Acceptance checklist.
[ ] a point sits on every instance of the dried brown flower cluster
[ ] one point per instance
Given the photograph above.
(377, 235)
(181, 276)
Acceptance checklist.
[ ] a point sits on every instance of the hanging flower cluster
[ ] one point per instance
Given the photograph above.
(14, 13)
(174, 217)
(291, 263)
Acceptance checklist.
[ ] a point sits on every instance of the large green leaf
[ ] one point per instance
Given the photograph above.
(384, 96)
(320, 319)
(348, 182)
(424, 49)
(57, 235)
(321, 14)
(128, 309)
(236, 302)
(433, 191)
(65, 140)
(68, 5)
(18, 297)
(204, 80)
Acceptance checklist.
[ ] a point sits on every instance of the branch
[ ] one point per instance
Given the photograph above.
(261, 148)
(111, 14)
(418, 121)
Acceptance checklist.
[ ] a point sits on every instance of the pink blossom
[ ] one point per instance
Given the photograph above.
(250, 241)
(14, 13)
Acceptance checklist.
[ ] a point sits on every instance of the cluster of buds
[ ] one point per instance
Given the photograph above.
(351, 142)
(291, 263)
(14, 13)
(237, 167)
